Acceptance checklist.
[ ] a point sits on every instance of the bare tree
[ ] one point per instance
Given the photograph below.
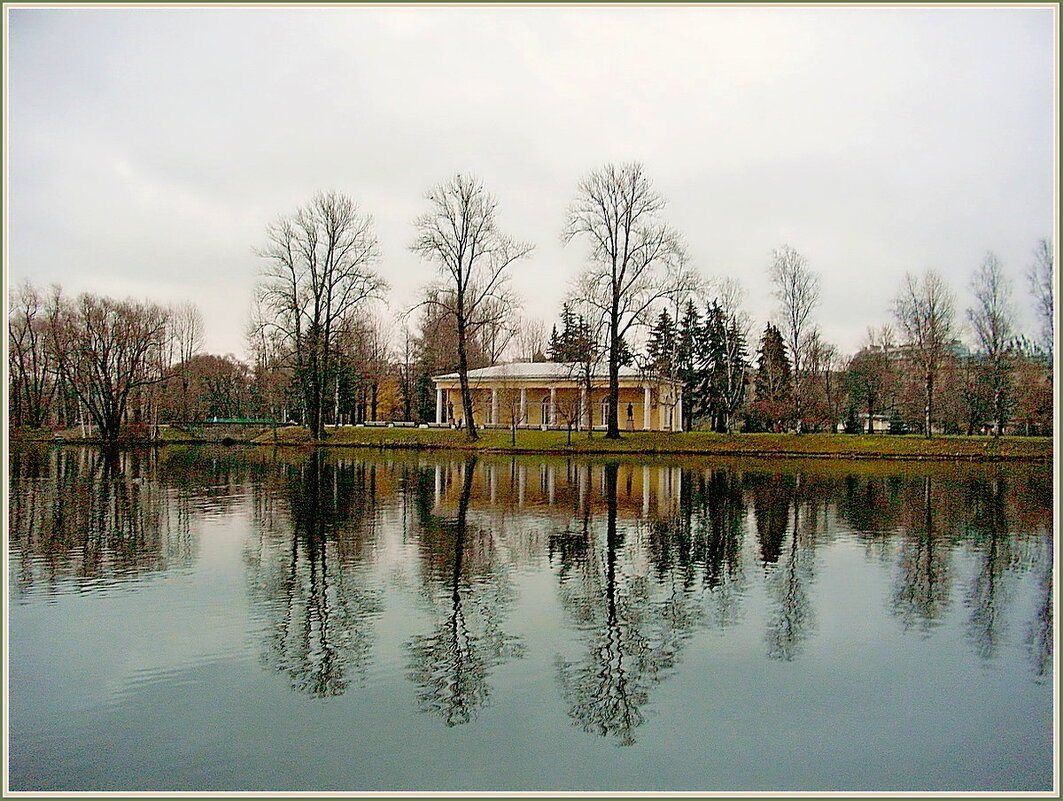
(578, 345)
(271, 376)
(407, 368)
(318, 273)
(499, 327)
(1040, 278)
(870, 374)
(992, 318)
(530, 341)
(797, 290)
(186, 337)
(636, 260)
(107, 350)
(822, 395)
(925, 312)
(734, 361)
(510, 395)
(29, 359)
(460, 234)
(186, 327)
(363, 366)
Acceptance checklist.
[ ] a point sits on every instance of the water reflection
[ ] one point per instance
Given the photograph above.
(1039, 634)
(924, 584)
(468, 591)
(700, 544)
(632, 629)
(307, 582)
(87, 519)
(641, 556)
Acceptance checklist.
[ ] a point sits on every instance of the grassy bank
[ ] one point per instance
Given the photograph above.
(837, 446)
(695, 442)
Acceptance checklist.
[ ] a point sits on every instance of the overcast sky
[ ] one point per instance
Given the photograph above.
(148, 148)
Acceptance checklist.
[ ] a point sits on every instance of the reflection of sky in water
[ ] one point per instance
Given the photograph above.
(860, 655)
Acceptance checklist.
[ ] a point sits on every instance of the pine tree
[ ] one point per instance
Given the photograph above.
(554, 346)
(692, 367)
(773, 382)
(715, 358)
(661, 349)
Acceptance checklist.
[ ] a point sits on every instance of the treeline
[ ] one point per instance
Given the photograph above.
(322, 351)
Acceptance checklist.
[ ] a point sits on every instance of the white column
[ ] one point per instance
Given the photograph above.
(440, 411)
(679, 407)
(646, 408)
(553, 406)
(494, 405)
(523, 405)
(662, 413)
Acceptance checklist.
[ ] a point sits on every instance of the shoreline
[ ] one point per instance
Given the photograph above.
(843, 447)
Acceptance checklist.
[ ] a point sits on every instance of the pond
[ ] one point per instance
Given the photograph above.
(243, 619)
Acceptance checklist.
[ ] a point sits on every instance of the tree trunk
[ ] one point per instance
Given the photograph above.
(928, 407)
(589, 411)
(612, 423)
(463, 378)
(998, 406)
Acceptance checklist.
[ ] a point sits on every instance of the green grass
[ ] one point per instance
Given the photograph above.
(702, 442)
(838, 446)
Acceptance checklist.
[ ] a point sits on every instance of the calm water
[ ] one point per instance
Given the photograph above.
(228, 619)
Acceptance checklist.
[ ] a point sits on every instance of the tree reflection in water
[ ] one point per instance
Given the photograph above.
(1039, 637)
(923, 590)
(307, 582)
(469, 591)
(633, 629)
(771, 508)
(90, 517)
(988, 592)
(700, 546)
(792, 620)
(634, 585)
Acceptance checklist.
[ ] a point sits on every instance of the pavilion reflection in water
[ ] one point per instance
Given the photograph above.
(643, 491)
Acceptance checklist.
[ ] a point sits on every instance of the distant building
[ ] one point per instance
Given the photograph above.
(552, 395)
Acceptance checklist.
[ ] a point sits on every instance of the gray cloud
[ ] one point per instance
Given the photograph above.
(149, 147)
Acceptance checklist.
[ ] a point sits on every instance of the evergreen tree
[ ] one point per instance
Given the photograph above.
(773, 382)
(715, 359)
(692, 367)
(554, 346)
(661, 350)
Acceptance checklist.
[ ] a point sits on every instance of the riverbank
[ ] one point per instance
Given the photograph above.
(842, 446)
(703, 443)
